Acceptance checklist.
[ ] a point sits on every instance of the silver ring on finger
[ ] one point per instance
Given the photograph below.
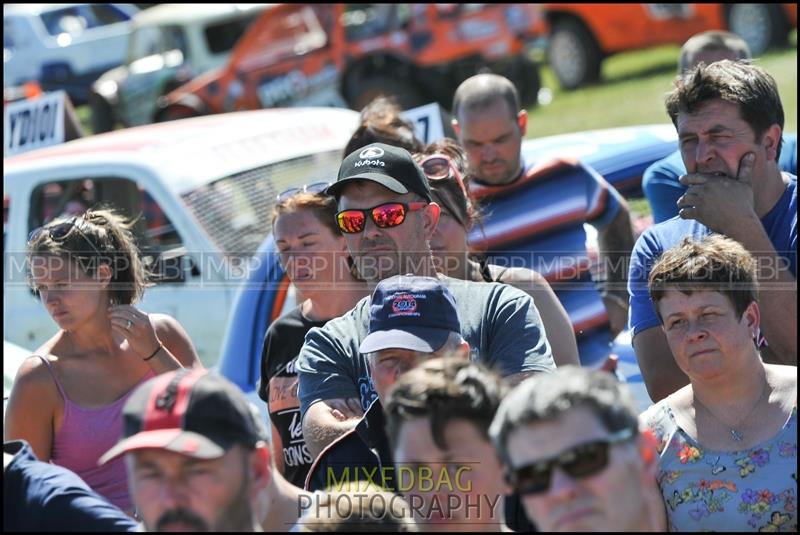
(130, 324)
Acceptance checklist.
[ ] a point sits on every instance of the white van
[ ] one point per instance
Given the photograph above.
(205, 188)
(63, 46)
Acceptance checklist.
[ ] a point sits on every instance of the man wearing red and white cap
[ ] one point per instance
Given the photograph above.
(198, 459)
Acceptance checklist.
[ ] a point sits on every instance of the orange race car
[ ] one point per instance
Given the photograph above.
(582, 35)
(346, 54)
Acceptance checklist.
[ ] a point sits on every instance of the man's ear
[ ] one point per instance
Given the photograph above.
(104, 274)
(431, 219)
(261, 467)
(770, 140)
(522, 122)
(456, 127)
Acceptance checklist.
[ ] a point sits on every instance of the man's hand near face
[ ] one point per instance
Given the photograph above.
(721, 203)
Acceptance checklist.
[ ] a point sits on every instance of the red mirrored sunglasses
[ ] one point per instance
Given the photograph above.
(385, 215)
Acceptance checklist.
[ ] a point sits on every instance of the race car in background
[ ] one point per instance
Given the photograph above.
(347, 54)
(581, 36)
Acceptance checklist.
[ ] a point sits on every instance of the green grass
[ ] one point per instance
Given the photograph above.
(632, 92)
(84, 114)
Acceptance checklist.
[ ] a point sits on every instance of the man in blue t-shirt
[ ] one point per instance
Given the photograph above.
(660, 181)
(388, 217)
(729, 119)
(536, 213)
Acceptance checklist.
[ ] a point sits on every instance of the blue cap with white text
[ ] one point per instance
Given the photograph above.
(410, 312)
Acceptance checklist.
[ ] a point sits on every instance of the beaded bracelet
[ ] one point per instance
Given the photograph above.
(159, 348)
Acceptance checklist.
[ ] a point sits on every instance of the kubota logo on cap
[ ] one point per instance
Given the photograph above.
(404, 305)
(371, 152)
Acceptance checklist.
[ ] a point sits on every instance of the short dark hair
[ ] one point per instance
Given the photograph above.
(715, 263)
(100, 235)
(482, 90)
(547, 397)
(380, 122)
(747, 86)
(712, 41)
(442, 390)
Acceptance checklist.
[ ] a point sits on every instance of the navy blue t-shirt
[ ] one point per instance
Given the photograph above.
(39, 496)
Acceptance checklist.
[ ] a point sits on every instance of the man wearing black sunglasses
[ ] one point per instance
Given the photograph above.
(387, 217)
(571, 448)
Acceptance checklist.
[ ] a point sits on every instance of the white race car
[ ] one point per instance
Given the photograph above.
(205, 188)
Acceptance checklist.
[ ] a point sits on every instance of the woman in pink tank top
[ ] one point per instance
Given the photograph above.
(67, 401)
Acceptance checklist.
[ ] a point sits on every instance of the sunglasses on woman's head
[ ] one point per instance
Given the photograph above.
(440, 167)
(316, 187)
(386, 215)
(60, 231)
(579, 462)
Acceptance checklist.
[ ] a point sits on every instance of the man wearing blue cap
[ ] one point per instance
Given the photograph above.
(412, 319)
(387, 217)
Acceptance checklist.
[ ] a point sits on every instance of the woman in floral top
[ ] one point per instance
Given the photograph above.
(728, 440)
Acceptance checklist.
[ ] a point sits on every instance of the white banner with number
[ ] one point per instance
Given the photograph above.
(427, 121)
(33, 123)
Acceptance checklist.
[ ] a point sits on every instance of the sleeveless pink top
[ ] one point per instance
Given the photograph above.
(85, 435)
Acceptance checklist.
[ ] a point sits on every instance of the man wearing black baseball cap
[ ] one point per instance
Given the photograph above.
(198, 460)
(387, 218)
(412, 319)
(391, 167)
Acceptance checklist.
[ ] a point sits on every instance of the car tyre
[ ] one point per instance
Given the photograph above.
(367, 89)
(573, 54)
(760, 25)
(102, 115)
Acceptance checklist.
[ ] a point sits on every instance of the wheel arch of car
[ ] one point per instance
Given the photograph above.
(370, 65)
(181, 107)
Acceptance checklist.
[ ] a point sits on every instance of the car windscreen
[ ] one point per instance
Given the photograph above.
(236, 211)
(80, 17)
